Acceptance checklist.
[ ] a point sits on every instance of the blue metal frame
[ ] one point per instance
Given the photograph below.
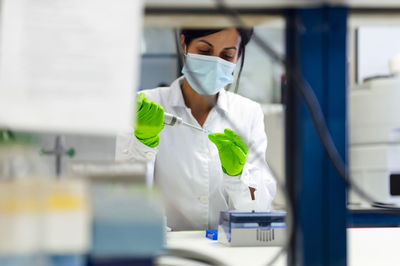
(373, 218)
(316, 47)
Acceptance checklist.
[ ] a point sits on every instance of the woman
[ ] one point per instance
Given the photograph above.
(200, 175)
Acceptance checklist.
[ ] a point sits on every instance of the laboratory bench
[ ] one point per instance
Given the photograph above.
(366, 246)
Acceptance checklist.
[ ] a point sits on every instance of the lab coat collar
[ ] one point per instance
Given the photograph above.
(176, 96)
(222, 101)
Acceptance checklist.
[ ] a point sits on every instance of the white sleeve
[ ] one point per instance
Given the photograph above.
(255, 174)
(239, 197)
(129, 148)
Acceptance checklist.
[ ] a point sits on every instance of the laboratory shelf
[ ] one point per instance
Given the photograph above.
(373, 218)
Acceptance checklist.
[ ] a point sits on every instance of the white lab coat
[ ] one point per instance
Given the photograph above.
(187, 169)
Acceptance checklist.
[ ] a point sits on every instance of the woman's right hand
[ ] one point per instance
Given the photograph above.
(149, 122)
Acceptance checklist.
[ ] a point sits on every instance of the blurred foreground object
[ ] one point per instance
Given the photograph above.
(128, 221)
(42, 218)
(69, 66)
(102, 214)
(19, 157)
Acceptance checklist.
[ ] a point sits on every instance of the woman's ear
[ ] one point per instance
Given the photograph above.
(183, 45)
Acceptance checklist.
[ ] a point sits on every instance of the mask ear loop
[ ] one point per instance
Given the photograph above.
(182, 55)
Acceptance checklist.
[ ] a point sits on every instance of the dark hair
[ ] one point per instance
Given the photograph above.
(244, 33)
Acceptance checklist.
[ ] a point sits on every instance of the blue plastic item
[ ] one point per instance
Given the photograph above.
(212, 234)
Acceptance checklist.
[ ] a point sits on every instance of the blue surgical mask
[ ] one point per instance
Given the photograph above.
(207, 75)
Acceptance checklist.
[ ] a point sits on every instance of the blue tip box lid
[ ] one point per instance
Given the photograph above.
(212, 234)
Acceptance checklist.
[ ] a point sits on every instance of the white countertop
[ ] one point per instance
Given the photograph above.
(366, 246)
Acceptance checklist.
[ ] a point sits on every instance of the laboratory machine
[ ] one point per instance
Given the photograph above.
(374, 110)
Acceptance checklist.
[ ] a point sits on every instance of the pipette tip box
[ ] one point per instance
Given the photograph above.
(252, 228)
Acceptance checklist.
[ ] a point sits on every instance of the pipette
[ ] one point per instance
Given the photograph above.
(173, 120)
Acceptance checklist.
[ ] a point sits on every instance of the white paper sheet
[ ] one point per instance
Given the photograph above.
(69, 66)
(376, 46)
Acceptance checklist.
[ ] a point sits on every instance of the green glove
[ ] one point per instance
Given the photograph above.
(232, 151)
(150, 121)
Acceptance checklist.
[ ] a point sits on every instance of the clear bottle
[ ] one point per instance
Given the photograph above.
(25, 179)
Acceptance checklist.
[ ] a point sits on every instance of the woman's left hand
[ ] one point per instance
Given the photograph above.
(232, 151)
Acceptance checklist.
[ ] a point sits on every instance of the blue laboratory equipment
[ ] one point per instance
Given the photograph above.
(252, 228)
(212, 234)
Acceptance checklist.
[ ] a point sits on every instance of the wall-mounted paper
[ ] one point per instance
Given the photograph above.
(376, 46)
(69, 66)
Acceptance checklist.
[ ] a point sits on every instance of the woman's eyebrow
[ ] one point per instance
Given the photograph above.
(233, 47)
(206, 43)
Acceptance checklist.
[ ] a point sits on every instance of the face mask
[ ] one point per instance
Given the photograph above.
(207, 75)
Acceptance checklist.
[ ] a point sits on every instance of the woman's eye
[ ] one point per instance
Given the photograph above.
(227, 57)
(204, 51)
